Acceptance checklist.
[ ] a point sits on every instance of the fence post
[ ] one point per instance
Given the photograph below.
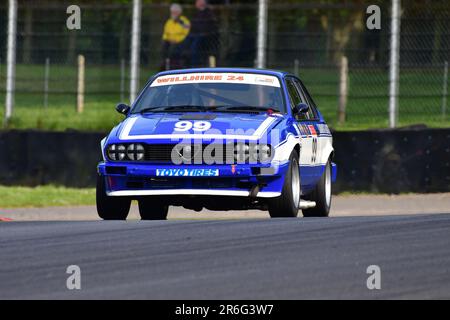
(343, 89)
(262, 34)
(212, 61)
(167, 64)
(135, 49)
(444, 90)
(80, 91)
(297, 67)
(11, 60)
(394, 64)
(122, 80)
(46, 79)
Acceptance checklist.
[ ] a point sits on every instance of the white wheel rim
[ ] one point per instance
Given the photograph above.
(328, 185)
(295, 180)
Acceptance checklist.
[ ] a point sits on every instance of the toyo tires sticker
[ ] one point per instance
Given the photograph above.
(187, 172)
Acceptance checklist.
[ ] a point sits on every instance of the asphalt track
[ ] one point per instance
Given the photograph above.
(228, 259)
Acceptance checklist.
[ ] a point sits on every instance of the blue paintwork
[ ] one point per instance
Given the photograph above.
(163, 123)
(243, 173)
(333, 172)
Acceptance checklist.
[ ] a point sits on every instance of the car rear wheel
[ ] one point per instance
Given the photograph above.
(321, 195)
(287, 205)
(152, 209)
(110, 208)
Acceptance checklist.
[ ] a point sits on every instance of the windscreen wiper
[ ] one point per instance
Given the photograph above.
(186, 108)
(149, 109)
(242, 109)
(173, 109)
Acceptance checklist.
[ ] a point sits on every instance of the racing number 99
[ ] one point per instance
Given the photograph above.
(196, 126)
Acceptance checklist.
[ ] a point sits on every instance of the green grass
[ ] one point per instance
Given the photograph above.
(102, 94)
(45, 196)
(420, 97)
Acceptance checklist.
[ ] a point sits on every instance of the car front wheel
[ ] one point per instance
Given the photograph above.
(287, 205)
(110, 208)
(321, 195)
(152, 209)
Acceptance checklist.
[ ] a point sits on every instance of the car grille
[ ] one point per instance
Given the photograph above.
(158, 153)
(162, 153)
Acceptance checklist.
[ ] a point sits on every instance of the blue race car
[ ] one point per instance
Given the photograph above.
(220, 139)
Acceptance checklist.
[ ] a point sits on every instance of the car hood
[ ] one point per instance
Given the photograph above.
(223, 125)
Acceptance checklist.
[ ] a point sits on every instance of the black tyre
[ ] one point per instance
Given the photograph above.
(110, 208)
(153, 209)
(321, 195)
(287, 205)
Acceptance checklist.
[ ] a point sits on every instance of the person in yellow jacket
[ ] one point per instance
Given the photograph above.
(176, 30)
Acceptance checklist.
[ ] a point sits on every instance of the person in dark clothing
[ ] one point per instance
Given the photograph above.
(204, 34)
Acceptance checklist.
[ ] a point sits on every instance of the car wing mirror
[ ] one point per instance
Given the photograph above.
(123, 108)
(301, 108)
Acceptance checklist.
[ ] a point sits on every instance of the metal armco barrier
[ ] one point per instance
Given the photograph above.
(385, 161)
(393, 161)
(33, 158)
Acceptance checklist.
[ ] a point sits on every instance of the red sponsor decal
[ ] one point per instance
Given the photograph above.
(312, 130)
(5, 219)
(235, 78)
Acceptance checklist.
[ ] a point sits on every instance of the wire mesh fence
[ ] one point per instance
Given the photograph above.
(304, 37)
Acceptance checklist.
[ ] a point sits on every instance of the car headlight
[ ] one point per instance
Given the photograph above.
(119, 152)
(265, 153)
(241, 152)
(135, 152)
(116, 152)
(252, 153)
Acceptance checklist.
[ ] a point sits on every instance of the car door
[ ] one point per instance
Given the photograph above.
(311, 120)
(306, 131)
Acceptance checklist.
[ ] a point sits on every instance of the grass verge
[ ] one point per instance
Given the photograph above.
(44, 196)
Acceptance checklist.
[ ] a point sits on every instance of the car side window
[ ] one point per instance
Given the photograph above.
(295, 97)
(312, 113)
(293, 93)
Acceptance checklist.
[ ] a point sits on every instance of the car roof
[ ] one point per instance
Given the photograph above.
(276, 73)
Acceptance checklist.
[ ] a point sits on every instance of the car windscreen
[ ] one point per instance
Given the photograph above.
(210, 91)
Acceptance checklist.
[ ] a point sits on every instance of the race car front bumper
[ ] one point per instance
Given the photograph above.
(136, 180)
